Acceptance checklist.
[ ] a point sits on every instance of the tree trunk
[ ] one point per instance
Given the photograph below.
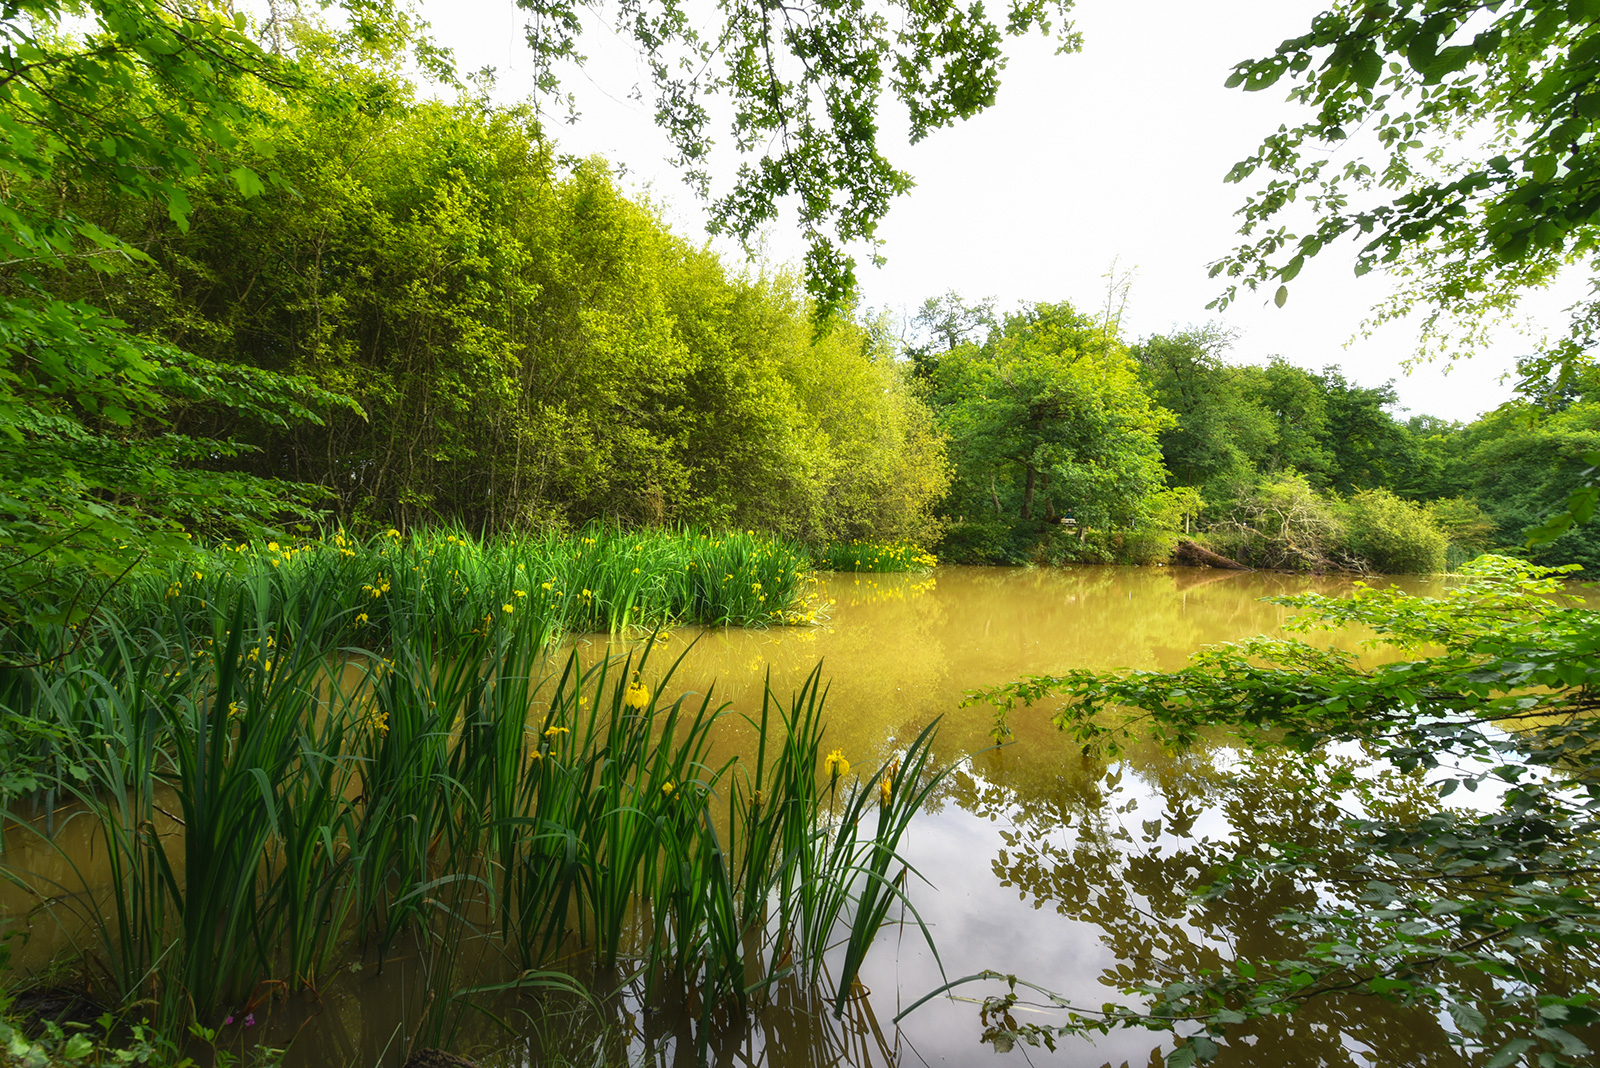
(1191, 555)
(1027, 493)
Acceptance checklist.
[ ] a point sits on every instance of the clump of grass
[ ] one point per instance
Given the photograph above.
(602, 579)
(263, 789)
(858, 555)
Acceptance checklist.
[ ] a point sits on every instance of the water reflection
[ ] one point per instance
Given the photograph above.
(1064, 869)
(1072, 872)
(1121, 859)
(1067, 870)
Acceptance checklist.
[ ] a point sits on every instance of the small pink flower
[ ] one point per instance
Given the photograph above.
(250, 1020)
(228, 1021)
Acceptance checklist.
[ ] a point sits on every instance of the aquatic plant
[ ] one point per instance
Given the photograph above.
(867, 555)
(263, 793)
(599, 580)
(342, 592)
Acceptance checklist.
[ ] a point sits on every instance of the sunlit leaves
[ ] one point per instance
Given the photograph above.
(1048, 418)
(144, 106)
(1467, 229)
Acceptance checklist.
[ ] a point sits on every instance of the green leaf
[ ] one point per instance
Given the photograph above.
(179, 208)
(1467, 1018)
(1281, 297)
(1510, 1053)
(249, 183)
(1569, 1044)
(1367, 67)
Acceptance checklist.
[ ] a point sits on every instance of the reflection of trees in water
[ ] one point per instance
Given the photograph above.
(1126, 847)
(1108, 617)
(1120, 847)
(798, 1030)
(370, 1018)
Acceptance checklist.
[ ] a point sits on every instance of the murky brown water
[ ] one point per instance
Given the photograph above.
(1040, 862)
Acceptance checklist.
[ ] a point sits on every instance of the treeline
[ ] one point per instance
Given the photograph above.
(1070, 444)
(527, 347)
(421, 311)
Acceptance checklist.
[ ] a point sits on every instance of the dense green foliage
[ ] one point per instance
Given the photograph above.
(1300, 470)
(1049, 417)
(1048, 421)
(326, 291)
(1485, 911)
(1524, 463)
(1237, 421)
(1070, 447)
(527, 347)
(97, 466)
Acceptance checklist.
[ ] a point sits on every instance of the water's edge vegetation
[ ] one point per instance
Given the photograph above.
(296, 755)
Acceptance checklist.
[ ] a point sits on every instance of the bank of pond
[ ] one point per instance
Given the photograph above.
(356, 798)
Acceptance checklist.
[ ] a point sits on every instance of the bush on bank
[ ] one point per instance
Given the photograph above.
(1282, 522)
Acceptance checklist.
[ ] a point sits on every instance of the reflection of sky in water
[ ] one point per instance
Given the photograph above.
(980, 924)
(1042, 863)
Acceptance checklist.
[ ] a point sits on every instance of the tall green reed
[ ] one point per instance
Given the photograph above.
(265, 786)
(601, 579)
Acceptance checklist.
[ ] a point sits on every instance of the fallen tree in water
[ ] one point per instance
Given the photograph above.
(1190, 554)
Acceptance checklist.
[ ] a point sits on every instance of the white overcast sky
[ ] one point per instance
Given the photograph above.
(1112, 155)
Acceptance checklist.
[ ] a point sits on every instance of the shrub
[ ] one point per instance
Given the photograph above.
(1471, 531)
(981, 541)
(1282, 523)
(1394, 535)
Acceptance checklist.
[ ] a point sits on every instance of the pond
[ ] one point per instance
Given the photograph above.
(1065, 870)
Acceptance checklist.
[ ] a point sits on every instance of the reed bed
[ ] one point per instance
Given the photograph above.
(601, 579)
(341, 592)
(858, 555)
(267, 789)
